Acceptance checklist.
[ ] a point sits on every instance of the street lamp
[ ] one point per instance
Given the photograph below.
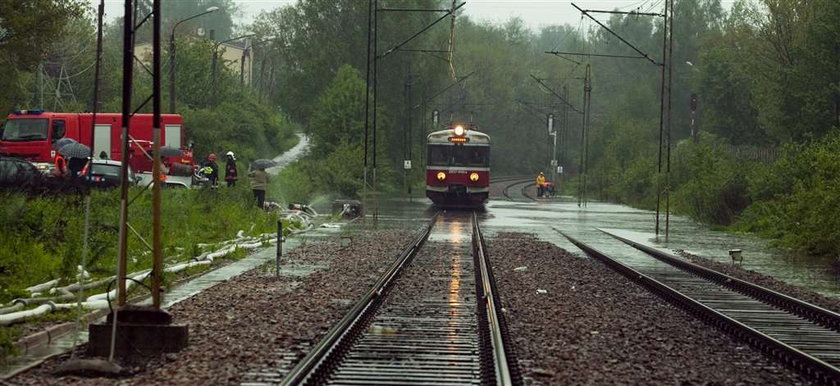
(172, 56)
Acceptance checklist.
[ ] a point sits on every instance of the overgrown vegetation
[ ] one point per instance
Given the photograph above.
(43, 236)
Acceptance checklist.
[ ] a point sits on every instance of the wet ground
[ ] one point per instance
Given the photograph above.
(562, 213)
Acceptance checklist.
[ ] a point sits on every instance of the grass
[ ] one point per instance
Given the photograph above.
(43, 236)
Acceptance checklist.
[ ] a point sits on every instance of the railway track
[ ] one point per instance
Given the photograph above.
(511, 192)
(801, 335)
(433, 318)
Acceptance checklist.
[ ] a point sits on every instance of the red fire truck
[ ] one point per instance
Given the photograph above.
(30, 135)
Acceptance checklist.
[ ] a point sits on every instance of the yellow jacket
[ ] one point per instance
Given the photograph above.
(540, 180)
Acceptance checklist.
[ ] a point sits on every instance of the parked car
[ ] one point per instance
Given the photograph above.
(105, 173)
(16, 172)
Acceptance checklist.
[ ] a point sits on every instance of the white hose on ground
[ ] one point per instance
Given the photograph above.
(128, 284)
(94, 305)
(12, 308)
(20, 316)
(183, 266)
(43, 286)
(221, 252)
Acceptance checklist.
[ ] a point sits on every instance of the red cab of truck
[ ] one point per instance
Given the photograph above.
(30, 134)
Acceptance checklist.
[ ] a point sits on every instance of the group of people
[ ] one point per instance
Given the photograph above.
(258, 176)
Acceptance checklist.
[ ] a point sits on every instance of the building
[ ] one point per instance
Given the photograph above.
(231, 54)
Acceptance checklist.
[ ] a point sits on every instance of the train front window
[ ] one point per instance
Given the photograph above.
(476, 155)
(448, 155)
(440, 155)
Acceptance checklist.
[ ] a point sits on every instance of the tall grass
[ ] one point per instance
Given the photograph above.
(42, 237)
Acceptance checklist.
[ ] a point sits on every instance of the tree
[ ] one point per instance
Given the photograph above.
(338, 117)
(26, 30)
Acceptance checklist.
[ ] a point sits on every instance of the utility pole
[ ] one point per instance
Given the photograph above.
(373, 44)
(157, 335)
(668, 118)
(664, 133)
(584, 136)
(564, 134)
(367, 107)
(96, 76)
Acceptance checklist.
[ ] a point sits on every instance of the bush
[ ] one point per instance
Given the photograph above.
(799, 193)
(708, 184)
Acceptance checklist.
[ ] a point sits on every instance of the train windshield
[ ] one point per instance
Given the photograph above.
(449, 155)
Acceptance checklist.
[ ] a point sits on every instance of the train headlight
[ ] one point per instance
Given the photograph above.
(474, 177)
(459, 130)
(441, 176)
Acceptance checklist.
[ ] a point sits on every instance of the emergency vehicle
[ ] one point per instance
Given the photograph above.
(30, 135)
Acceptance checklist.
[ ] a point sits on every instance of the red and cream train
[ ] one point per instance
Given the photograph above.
(458, 166)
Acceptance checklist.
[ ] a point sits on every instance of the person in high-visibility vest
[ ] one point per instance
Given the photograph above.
(60, 164)
(540, 184)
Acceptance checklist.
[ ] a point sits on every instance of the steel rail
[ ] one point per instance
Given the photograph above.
(800, 360)
(814, 313)
(505, 367)
(511, 183)
(525, 188)
(318, 364)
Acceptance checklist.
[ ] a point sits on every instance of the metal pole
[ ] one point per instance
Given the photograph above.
(157, 258)
(587, 94)
(172, 70)
(128, 72)
(661, 115)
(279, 248)
(670, 22)
(410, 139)
(242, 65)
(96, 76)
(367, 105)
(375, 92)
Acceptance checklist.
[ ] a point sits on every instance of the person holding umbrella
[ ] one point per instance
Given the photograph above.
(59, 161)
(259, 180)
(77, 156)
(230, 170)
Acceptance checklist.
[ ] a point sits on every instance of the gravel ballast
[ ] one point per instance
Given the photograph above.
(765, 281)
(253, 323)
(575, 321)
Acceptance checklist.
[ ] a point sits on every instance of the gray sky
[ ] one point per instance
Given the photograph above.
(535, 13)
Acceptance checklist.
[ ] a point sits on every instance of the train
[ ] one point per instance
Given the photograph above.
(458, 166)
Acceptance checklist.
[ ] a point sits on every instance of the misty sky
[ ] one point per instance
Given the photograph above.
(535, 13)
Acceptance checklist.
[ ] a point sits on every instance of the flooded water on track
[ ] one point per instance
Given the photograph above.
(544, 218)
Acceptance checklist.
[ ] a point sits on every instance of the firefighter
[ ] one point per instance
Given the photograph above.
(259, 183)
(211, 170)
(230, 169)
(60, 170)
(540, 184)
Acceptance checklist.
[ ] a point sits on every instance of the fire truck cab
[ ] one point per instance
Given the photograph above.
(30, 135)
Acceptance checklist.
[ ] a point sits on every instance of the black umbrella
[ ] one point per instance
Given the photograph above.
(74, 150)
(62, 142)
(167, 151)
(262, 164)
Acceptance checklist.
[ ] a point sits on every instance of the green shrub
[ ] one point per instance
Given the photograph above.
(708, 184)
(799, 194)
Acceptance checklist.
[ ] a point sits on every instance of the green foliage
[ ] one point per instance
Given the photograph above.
(709, 185)
(799, 193)
(42, 236)
(338, 117)
(26, 30)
